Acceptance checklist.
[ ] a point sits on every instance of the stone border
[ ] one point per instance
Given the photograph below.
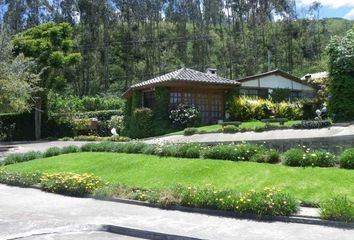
(311, 220)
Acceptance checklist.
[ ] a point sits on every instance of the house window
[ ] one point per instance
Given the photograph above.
(216, 107)
(203, 107)
(249, 92)
(175, 98)
(148, 99)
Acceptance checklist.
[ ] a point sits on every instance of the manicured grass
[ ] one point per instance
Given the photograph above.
(136, 170)
(244, 125)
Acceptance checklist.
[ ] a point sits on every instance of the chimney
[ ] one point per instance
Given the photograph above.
(212, 71)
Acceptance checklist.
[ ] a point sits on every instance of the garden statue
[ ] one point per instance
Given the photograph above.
(114, 132)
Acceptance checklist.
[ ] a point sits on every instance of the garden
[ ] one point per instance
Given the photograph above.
(239, 178)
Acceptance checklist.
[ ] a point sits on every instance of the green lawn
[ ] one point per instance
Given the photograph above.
(309, 184)
(244, 125)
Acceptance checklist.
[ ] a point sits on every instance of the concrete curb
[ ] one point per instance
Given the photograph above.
(311, 220)
(131, 232)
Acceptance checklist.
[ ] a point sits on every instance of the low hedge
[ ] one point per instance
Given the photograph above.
(233, 152)
(312, 124)
(19, 179)
(339, 208)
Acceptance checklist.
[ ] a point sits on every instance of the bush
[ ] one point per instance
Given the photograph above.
(22, 157)
(280, 95)
(233, 152)
(312, 124)
(230, 129)
(70, 183)
(116, 122)
(269, 202)
(185, 116)
(19, 179)
(17, 127)
(346, 159)
(180, 150)
(89, 138)
(70, 149)
(300, 158)
(51, 152)
(190, 131)
(271, 156)
(141, 122)
(339, 208)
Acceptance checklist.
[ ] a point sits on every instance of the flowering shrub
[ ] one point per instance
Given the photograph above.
(185, 116)
(70, 183)
(306, 157)
(339, 208)
(116, 122)
(270, 201)
(19, 179)
(234, 152)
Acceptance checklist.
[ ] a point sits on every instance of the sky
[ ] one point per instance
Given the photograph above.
(331, 8)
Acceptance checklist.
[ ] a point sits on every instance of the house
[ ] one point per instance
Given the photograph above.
(206, 91)
(262, 85)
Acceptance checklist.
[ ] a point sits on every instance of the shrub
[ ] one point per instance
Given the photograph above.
(70, 149)
(312, 124)
(346, 159)
(339, 208)
(141, 122)
(239, 152)
(280, 95)
(98, 147)
(271, 156)
(70, 183)
(230, 129)
(181, 150)
(300, 158)
(22, 157)
(190, 131)
(270, 202)
(19, 179)
(90, 138)
(51, 152)
(118, 139)
(116, 122)
(185, 116)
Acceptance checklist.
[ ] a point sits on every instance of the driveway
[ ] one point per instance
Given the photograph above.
(27, 213)
(282, 135)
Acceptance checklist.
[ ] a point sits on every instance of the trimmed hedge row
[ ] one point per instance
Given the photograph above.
(295, 157)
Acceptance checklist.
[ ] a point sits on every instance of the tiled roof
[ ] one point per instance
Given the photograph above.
(190, 75)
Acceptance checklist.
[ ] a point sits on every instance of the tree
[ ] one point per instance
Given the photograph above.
(17, 82)
(51, 47)
(341, 77)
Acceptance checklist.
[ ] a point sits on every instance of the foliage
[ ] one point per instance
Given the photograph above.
(185, 116)
(233, 152)
(58, 103)
(338, 208)
(247, 108)
(22, 157)
(116, 122)
(17, 82)
(312, 124)
(190, 131)
(160, 112)
(300, 158)
(19, 179)
(70, 149)
(192, 150)
(70, 183)
(346, 159)
(269, 202)
(270, 156)
(341, 77)
(230, 129)
(51, 152)
(51, 45)
(280, 95)
(141, 122)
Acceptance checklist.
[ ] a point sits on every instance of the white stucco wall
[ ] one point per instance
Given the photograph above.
(275, 81)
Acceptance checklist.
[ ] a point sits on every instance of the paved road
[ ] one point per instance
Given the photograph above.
(25, 212)
(257, 136)
(21, 147)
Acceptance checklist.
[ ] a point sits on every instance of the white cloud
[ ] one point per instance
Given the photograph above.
(350, 15)
(329, 3)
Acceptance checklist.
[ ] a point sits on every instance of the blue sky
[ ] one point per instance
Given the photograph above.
(331, 8)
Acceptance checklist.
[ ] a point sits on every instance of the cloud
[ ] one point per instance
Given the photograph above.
(350, 15)
(329, 3)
